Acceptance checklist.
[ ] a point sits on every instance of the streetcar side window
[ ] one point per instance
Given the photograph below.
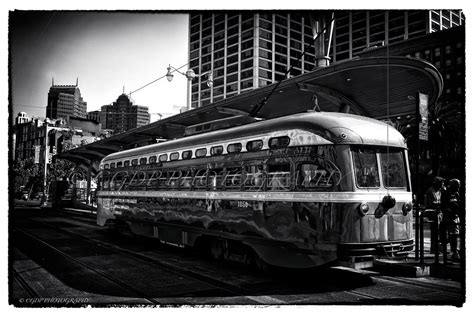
(106, 166)
(233, 177)
(134, 162)
(393, 169)
(216, 177)
(138, 181)
(174, 179)
(186, 179)
(174, 156)
(201, 152)
(254, 177)
(234, 148)
(163, 180)
(278, 177)
(112, 165)
(366, 170)
(200, 177)
(152, 179)
(119, 164)
(187, 154)
(163, 157)
(152, 159)
(143, 161)
(126, 163)
(254, 145)
(105, 181)
(314, 177)
(117, 181)
(279, 142)
(217, 150)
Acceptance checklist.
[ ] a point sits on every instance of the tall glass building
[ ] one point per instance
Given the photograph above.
(247, 50)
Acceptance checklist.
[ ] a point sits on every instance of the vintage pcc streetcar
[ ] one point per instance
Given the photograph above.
(302, 190)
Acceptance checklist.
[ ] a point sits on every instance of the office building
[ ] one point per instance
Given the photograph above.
(248, 50)
(93, 115)
(358, 31)
(22, 118)
(29, 136)
(123, 115)
(65, 101)
(245, 51)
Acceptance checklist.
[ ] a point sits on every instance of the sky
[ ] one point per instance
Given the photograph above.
(108, 52)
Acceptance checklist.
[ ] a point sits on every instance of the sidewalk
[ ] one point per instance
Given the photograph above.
(412, 267)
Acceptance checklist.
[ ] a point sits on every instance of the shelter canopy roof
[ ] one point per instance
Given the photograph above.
(373, 87)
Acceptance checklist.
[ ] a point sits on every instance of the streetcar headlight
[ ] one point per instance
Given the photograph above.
(364, 208)
(407, 207)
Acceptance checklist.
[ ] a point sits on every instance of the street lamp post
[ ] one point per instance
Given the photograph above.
(45, 174)
(190, 75)
(47, 129)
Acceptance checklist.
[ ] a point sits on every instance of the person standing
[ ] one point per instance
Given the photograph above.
(450, 205)
(433, 209)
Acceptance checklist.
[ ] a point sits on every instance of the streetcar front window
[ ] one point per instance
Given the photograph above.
(365, 165)
(393, 169)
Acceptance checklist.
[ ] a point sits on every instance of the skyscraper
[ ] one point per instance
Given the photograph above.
(65, 101)
(245, 51)
(122, 115)
(360, 30)
(248, 50)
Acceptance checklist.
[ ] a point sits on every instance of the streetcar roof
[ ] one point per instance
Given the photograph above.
(334, 127)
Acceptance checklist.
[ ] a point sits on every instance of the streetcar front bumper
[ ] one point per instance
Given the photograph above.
(386, 249)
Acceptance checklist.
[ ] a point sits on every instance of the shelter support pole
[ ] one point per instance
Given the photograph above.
(88, 188)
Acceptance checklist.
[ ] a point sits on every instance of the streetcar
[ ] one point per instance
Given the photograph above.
(300, 191)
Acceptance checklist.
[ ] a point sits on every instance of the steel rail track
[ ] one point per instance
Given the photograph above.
(231, 288)
(24, 284)
(127, 287)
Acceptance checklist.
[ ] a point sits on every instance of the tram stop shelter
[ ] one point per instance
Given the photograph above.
(375, 87)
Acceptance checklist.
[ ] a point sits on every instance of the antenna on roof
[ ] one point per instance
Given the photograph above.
(77, 81)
